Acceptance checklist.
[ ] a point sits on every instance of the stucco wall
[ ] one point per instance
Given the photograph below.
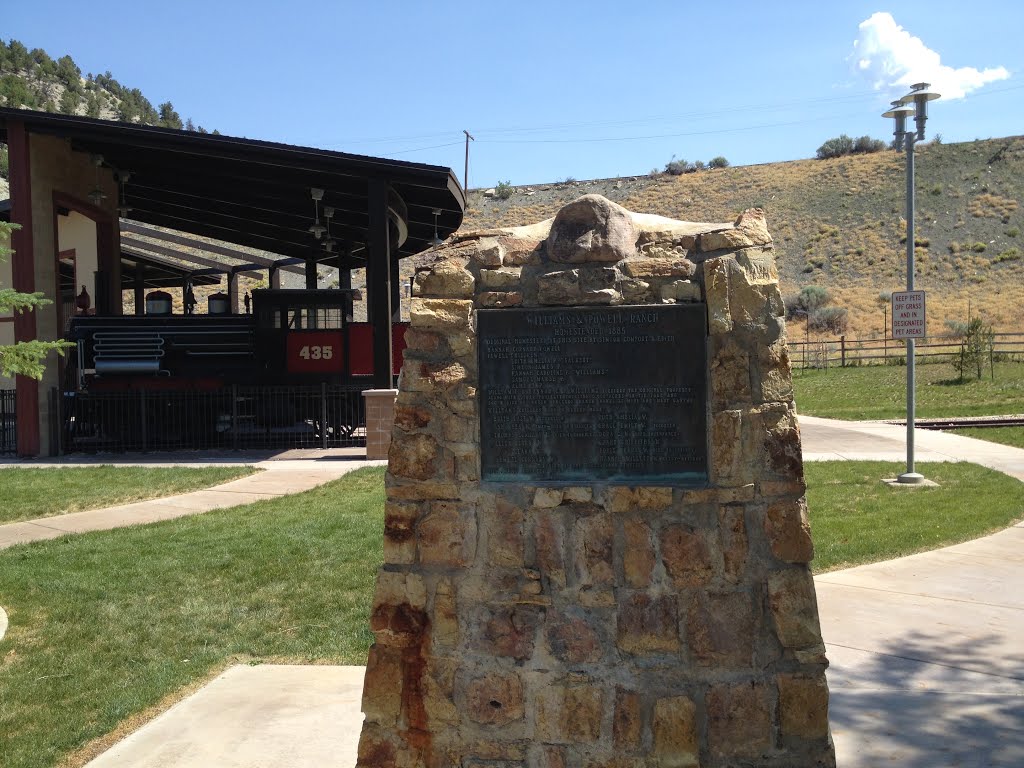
(56, 168)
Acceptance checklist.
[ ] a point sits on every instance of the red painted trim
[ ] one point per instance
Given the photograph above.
(72, 203)
(24, 280)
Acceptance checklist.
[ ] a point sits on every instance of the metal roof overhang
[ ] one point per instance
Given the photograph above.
(159, 273)
(257, 193)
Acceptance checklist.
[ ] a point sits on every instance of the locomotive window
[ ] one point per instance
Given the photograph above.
(328, 317)
(305, 318)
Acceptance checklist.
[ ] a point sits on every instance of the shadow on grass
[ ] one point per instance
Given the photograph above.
(925, 701)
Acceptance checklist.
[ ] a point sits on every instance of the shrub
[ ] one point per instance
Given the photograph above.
(844, 145)
(696, 165)
(1012, 232)
(1010, 254)
(978, 247)
(865, 145)
(810, 298)
(503, 190)
(718, 162)
(837, 147)
(957, 327)
(676, 167)
(828, 319)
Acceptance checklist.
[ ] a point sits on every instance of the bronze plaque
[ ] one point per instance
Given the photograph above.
(613, 394)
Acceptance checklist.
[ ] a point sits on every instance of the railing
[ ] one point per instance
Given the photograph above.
(843, 352)
(8, 424)
(324, 416)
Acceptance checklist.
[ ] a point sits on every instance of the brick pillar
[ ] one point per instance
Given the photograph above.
(380, 418)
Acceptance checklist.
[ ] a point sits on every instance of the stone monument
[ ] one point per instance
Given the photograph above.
(596, 541)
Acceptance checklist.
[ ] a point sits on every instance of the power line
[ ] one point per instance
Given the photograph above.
(424, 149)
(763, 107)
(671, 135)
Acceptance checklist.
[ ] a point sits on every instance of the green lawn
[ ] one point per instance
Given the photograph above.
(109, 624)
(1006, 435)
(27, 493)
(856, 519)
(106, 624)
(880, 392)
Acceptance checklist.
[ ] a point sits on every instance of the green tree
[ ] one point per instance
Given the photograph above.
(24, 358)
(976, 347)
(19, 56)
(69, 102)
(69, 73)
(168, 117)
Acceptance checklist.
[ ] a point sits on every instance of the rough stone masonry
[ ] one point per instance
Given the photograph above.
(598, 625)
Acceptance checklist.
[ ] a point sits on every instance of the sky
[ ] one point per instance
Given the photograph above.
(550, 90)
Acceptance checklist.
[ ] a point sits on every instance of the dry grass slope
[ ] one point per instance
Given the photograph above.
(839, 223)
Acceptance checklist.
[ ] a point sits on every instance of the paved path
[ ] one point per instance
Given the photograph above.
(927, 656)
(279, 476)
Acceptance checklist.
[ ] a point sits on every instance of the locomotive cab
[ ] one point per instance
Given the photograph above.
(309, 336)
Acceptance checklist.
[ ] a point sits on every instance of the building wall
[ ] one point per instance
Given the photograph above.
(77, 232)
(56, 168)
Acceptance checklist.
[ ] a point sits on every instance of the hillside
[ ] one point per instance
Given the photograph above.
(34, 80)
(838, 223)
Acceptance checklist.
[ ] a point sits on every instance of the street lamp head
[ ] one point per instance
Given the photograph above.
(919, 96)
(899, 114)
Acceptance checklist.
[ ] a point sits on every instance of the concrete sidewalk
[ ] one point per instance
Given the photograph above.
(279, 477)
(927, 662)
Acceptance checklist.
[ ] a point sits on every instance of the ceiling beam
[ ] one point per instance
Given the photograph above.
(142, 245)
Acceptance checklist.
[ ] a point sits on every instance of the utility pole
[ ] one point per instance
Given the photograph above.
(465, 175)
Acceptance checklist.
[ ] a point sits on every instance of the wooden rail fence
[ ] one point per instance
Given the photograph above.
(843, 352)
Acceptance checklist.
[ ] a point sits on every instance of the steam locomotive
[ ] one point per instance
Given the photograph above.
(290, 373)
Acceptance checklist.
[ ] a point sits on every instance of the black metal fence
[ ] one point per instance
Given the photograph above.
(8, 430)
(323, 416)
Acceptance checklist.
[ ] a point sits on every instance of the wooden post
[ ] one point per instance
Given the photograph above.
(311, 281)
(842, 351)
(465, 173)
(378, 282)
(140, 288)
(234, 302)
(24, 281)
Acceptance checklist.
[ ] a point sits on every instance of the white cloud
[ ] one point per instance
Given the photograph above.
(893, 60)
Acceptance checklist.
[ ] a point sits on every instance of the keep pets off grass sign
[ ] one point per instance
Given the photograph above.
(908, 317)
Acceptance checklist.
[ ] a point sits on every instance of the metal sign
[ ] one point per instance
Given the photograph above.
(615, 394)
(908, 316)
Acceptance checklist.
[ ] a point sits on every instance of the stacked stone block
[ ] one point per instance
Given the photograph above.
(600, 625)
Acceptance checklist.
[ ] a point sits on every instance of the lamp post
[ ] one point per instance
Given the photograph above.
(919, 97)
